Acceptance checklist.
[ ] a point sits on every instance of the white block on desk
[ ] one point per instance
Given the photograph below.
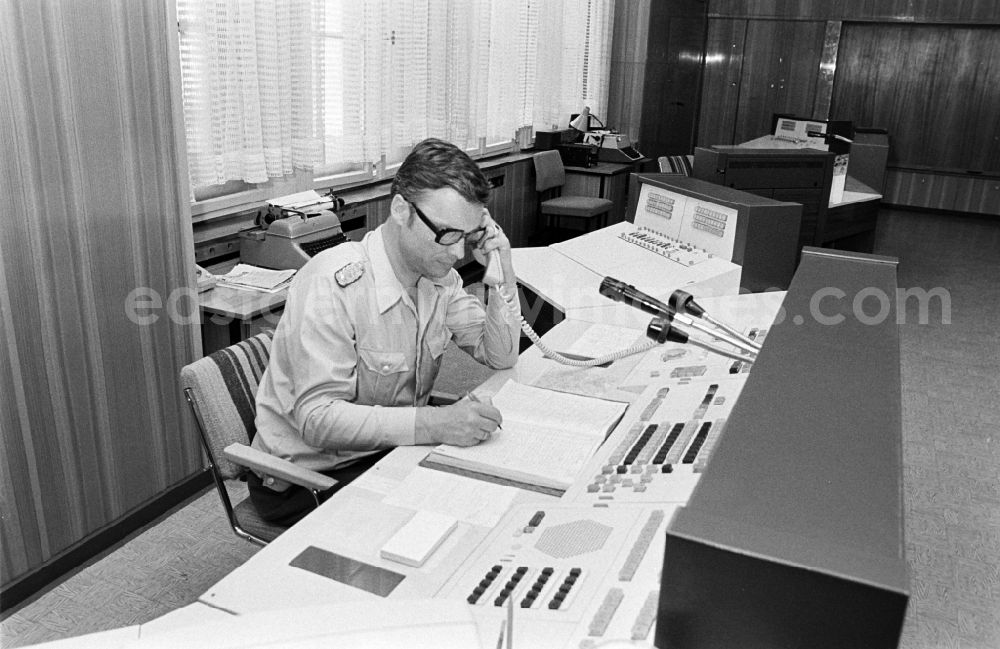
(416, 541)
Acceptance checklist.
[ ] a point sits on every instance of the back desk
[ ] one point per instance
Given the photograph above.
(856, 543)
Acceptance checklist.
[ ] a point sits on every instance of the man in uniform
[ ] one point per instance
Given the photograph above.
(360, 342)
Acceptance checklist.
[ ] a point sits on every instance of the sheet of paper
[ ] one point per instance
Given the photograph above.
(557, 410)
(602, 339)
(264, 279)
(600, 382)
(475, 502)
(531, 449)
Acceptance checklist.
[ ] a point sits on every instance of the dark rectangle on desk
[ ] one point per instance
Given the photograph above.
(351, 572)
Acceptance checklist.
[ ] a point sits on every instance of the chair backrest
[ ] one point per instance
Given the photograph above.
(676, 164)
(222, 389)
(549, 171)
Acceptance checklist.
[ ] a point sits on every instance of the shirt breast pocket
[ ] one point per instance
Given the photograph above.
(384, 373)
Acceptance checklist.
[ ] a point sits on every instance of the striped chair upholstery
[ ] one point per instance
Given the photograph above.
(676, 164)
(221, 389)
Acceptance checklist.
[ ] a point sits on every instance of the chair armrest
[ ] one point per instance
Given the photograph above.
(277, 468)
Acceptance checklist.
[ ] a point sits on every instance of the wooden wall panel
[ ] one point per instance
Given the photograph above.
(628, 67)
(934, 87)
(929, 11)
(514, 204)
(677, 32)
(720, 96)
(780, 70)
(943, 191)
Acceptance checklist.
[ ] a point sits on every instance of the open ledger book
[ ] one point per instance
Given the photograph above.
(546, 439)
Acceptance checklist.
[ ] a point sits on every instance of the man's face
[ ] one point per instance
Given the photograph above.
(444, 208)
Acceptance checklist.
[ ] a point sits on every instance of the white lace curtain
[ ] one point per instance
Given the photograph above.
(251, 105)
(340, 85)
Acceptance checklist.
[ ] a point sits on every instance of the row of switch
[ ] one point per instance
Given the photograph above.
(559, 595)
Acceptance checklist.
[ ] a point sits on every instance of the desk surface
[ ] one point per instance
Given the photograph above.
(856, 191)
(606, 168)
(237, 303)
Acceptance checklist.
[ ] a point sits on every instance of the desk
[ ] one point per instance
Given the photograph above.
(230, 315)
(850, 222)
(608, 180)
(359, 519)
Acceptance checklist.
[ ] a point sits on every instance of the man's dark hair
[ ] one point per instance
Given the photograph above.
(433, 164)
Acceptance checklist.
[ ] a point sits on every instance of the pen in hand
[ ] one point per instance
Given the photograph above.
(476, 399)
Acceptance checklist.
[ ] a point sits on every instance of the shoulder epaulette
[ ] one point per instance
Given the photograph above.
(350, 273)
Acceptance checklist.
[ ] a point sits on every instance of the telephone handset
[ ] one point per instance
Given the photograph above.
(494, 270)
(494, 277)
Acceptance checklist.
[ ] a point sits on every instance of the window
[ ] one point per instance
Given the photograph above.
(303, 93)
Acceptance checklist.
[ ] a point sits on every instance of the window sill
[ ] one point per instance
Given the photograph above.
(217, 225)
(249, 202)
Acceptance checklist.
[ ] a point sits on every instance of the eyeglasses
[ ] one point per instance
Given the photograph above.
(449, 236)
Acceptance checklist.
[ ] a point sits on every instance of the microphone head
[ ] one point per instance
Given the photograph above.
(662, 330)
(684, 302)
(613, 288)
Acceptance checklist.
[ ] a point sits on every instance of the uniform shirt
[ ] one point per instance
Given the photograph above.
(348, 363)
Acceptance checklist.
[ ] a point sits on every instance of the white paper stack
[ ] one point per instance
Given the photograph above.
(416, 541)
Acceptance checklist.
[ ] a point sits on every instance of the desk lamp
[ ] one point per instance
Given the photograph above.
(582, 121)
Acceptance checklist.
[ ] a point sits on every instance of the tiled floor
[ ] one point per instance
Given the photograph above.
(951, 451)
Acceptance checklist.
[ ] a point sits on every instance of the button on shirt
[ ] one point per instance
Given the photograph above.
(348, 362)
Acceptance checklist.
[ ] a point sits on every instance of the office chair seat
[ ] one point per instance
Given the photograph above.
(550, 176)
(250, 522)
(579, 206)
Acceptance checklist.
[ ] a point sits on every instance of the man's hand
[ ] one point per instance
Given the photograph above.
(495, 240)
(463, 423)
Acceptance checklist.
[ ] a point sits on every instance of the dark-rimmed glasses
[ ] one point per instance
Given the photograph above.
(449, 236)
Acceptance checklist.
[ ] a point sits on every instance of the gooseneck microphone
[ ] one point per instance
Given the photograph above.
(619, 291)
(683, 302)
(668, 318)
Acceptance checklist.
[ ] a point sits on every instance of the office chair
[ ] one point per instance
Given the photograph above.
(550, 176)
(221, 389)
(676, 164)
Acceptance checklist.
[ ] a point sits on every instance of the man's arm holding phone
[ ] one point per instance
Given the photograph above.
(492, 336)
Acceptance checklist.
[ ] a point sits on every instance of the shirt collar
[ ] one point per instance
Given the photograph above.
(388, 290)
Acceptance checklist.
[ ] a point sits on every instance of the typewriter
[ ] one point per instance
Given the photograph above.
(291, 230)
(613, 147)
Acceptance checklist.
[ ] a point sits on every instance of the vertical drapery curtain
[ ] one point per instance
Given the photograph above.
(92, 424)
(370, 78)
(253, 104)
